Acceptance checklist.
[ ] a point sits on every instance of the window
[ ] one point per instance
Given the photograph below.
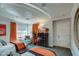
(23, 30)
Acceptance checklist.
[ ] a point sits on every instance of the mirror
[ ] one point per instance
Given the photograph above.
(77, 24)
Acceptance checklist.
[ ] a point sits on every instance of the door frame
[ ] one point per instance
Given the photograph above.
(61, 20)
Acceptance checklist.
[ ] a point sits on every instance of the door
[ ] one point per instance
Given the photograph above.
(62, 33)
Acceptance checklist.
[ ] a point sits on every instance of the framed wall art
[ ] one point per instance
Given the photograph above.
(2, 29)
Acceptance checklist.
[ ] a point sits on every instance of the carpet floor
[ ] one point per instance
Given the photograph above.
(60, 51)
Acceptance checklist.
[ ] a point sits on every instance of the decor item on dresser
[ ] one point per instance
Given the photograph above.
(2, 29)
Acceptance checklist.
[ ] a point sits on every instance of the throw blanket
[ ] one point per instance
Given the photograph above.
(20, 47)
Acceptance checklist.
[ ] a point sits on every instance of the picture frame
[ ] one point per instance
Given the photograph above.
(2, 29)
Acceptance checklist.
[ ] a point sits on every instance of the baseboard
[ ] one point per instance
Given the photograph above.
(50, 45)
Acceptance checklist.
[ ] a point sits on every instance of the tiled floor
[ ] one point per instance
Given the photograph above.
(58, 50)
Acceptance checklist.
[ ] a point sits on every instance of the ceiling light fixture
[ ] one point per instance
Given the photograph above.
(43, 5)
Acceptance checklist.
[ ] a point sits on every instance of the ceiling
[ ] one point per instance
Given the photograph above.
(26, 14)
(56, 10)
(21, 13)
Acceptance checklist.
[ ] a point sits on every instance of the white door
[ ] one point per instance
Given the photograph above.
(62, 33)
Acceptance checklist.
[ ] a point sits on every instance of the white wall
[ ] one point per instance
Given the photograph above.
(50, 27)
(62, 32)
(7, 22)
(73, 46)
(74, 49)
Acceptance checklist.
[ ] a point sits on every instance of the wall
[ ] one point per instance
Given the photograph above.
(62, 32)
(50, 27)
(73, 46)
(7, 22)
(74, 49)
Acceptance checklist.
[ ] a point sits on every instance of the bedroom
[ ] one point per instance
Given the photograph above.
(39, 29)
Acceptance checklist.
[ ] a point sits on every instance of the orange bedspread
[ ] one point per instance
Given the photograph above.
(43, 52)
(19, 45)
